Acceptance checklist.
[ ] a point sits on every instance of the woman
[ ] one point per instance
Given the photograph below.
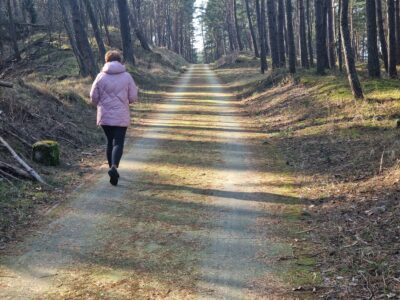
(112, 92)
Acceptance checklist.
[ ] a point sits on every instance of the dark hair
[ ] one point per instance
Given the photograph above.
(113, 55)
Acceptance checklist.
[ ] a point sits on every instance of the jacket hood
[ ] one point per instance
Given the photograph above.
(114, 67)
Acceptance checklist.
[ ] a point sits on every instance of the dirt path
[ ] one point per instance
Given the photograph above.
(187, 221)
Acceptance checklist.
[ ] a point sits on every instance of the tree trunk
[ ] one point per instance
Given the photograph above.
(303, 37)
(96, 29)
(331, 35)
(374, 68)
(382, 37)
(252, 31)
(398, 31)
(125, 31)
(273, 33)
(12, 31)
(348, 52)
(82, 41)
(83, 69)
(339, 39)
(136, 27)
(239, 39)
(310, 43)
(320, 31)
(281, 33)
(290, 37)
(392, 39)
(261, 32)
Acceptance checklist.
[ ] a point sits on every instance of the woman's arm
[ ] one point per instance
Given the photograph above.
(133, 91)
(94, 92)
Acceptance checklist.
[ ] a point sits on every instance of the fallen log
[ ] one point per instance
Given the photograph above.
(31, 171)
(6, 84)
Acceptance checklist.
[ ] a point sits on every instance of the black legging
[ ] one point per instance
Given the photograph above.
(115, 143)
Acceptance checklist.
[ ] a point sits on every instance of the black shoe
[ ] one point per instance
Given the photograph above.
(113, 176)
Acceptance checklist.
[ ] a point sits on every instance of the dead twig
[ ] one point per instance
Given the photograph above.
(6, 84)
(5, 178)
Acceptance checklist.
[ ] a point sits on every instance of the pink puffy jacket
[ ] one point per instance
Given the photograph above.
(112, 91)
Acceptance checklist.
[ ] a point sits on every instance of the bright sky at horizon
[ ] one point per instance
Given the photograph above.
(197, 25)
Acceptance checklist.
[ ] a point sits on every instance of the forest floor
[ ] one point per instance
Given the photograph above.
(345, 157)
(206, 208)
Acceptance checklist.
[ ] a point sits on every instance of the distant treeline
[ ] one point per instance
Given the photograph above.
(327, 34)
(151, 22)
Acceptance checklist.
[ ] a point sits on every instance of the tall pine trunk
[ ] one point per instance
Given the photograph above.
(392, 39)
(13, 32)
(82, 40)
(382, 37)
(374, 69)
(303, 37)
(320, 32)
(339, 39)
(261, 32)
(331, 35)
(125, 31)
(96, 29)
(239, 39)
(273, 33)
(281, 33)
(397, 31)
(349, 53)
(82, 66)
(290, 37)
(309, 34)
(252, 31)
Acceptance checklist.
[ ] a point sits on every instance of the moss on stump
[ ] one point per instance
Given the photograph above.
(46, 153)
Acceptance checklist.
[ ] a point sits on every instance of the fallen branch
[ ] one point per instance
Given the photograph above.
(14, 170)
(5, 178)
(6, 84)
(31, 171)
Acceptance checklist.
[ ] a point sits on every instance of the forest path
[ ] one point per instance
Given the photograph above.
(196, 215)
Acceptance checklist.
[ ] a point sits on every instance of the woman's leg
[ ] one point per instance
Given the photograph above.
(118, 149)
(109, 132)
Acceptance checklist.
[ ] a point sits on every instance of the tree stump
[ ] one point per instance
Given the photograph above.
(46, 153)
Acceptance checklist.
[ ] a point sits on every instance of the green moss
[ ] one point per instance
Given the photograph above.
(46, 153)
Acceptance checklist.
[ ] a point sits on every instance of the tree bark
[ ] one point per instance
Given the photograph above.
(392, 39)
(253, 34)
(136, 27)
(281, 33)
(331, 35)
(303, 37)
(12, 31)
(397, 31)
(239, 39)
(382, 37)
(320, 31)
(348, 52)
(374, 68)
(290, 34)
(96, 29)
(309, 33)
(125, 31)
(273, 33)
(261, 29)
(339, 39)
(83, 69)
(82, 41)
